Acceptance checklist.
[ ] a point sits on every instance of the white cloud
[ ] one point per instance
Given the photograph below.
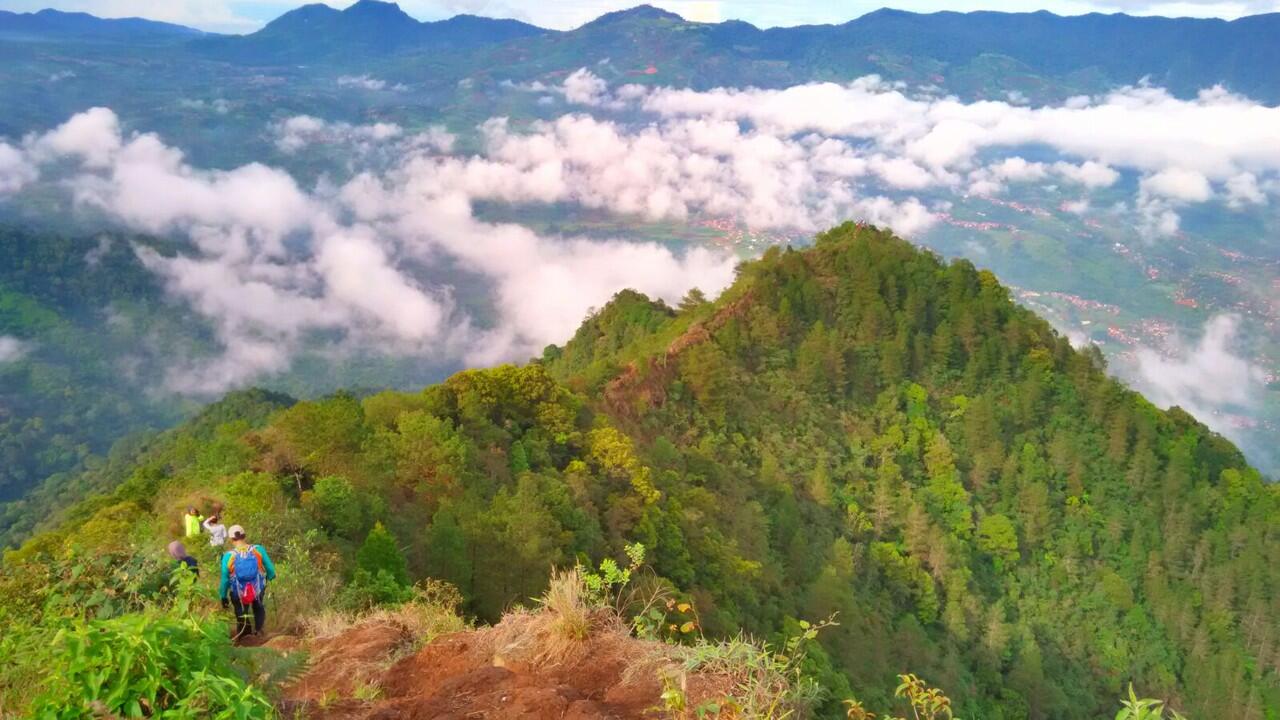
(299, 131)
(1016, 169)
(148, 185)
(16, 171)
(1089, 173)
(1243, 189)
(1183, 146)
(272, 265)
(677, 168)
(901, 172)
(1178, 184)
(220, 106)
(1156, 217)
(584, 88)
(1076, 207)
(93, 135)
(1204, 379)
(533, 86)
(12, 349)
(368, 82)
(357, 272)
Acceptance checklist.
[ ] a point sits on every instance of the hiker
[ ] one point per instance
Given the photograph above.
(217, 531)
(191, 522)
(178, 552)
(246, 570)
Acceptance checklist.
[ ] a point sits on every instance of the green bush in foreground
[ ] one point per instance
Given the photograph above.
(160, 662)
(148, 664)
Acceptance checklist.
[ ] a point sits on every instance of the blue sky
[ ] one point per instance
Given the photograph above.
(248, 15)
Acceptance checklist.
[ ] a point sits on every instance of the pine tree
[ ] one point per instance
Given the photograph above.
(380, 552)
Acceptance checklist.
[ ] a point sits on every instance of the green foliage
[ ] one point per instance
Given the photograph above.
(336, 506)
(257, 501)
(380, 556)
(163, 660)
(37, 587)
(927, 703)
(367, 590)
(148, 664)
(998, 538)
(1145, 709)
(380, 576)
(604, 587)
(768, 683)
(65, 396)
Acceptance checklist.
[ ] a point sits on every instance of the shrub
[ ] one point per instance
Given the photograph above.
(256, 501)
(306, 580)
(148, 663)
(368, 590)
(381, 553)
(336, 506)
(767, 683)
(1136, 708)
(380, 576)
(162, 662)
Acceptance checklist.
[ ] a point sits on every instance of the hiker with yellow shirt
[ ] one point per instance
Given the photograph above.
(191, 522)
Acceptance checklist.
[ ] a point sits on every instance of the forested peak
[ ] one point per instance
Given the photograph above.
(303, 15)
(626, 318)
(639, 13)
(252, 405)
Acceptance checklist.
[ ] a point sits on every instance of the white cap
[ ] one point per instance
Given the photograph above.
(235, 530)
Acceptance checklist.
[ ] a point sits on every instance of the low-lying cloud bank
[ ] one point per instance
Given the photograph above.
(1205, 377)
(1216, 146)
(1214, 380)
(275, 263)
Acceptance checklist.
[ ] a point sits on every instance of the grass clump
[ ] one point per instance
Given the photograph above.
(566, 600)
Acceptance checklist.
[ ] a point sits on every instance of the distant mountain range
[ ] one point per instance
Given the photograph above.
(53, 24)
(968, 53)
(369, 27)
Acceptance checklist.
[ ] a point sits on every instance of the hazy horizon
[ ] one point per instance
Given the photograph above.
(246, 16)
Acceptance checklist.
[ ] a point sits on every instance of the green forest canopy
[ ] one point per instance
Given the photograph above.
(856, 429)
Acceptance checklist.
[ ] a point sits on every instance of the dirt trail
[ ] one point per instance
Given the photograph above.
(515, 670)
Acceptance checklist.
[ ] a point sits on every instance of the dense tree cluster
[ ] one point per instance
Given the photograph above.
(86, 316)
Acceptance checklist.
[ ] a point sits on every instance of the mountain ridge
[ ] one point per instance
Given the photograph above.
(1057, 55)
(50, 23)
(368, 28)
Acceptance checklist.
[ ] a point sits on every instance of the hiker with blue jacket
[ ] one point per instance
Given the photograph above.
(246, 570)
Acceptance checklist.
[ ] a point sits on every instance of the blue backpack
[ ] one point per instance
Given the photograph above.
(247, 575)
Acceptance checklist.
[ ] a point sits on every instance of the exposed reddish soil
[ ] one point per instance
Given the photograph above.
(515, 670)
(634, 388)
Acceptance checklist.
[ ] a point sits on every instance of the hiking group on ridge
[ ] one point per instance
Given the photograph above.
(245, 568)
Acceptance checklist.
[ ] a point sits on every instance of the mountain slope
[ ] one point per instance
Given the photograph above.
(857, 429)
(87, 321)
(889, 425)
